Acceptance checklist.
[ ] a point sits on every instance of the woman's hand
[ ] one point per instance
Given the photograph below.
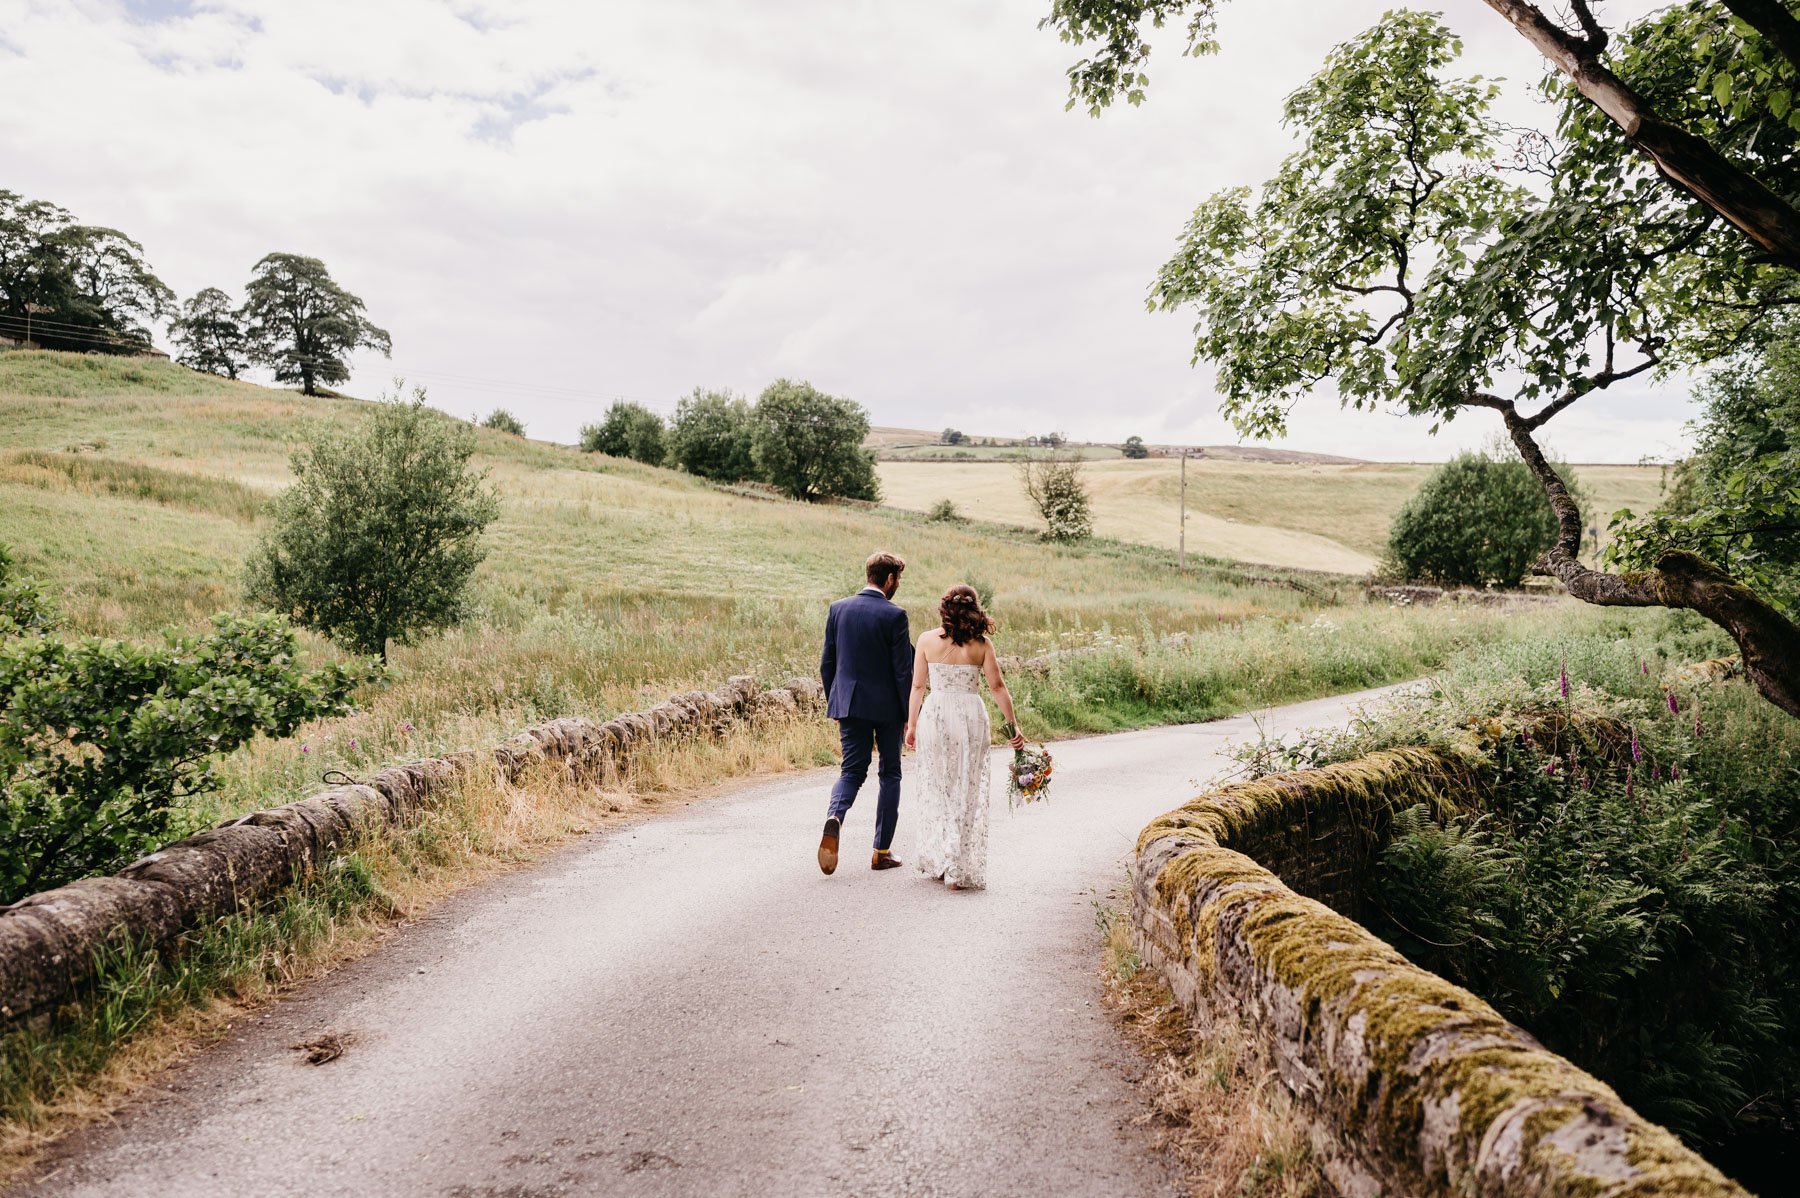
(1018, 740)
(912, 738)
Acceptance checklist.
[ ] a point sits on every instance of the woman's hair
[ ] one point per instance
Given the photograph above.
(964, 621)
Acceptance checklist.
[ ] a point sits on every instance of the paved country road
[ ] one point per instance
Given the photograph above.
(685, 1006)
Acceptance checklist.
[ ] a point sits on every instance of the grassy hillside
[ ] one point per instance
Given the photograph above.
(1300, 515)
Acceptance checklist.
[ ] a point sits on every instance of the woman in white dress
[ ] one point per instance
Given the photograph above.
(950, 730)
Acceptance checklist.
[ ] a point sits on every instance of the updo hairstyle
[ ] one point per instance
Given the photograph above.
(964, 621)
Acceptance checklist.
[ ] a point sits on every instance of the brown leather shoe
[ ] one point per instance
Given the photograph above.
(828, 844)
(883, 860)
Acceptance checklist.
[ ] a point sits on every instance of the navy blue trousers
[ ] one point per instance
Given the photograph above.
(860, 738)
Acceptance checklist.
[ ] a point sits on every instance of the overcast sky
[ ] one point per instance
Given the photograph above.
(553, 204)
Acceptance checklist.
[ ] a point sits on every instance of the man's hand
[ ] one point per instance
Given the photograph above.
(912, 738)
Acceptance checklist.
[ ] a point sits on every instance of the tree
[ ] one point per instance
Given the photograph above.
(209, 335)
(1053, 440)
(1134, 448)
(104, 745)
(1414, 252)
(628, 430)
(303, 325)
(1053, 483)
(378, 538)
(1477, 521)
(504, 421)
(811, 444)
(1736, 493)
(951, 436)
(711, 435)
(88, 288)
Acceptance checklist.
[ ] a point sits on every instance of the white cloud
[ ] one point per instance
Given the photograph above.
(601, 200)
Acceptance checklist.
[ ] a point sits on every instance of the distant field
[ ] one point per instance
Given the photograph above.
(1303, 515)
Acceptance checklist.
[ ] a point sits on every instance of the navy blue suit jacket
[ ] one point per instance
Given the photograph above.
(867, 665)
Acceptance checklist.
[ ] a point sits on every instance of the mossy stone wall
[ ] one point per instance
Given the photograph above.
(1411, 1085)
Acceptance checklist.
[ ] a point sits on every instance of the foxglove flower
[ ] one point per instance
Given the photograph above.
(1637, 750)
(1562, 678)
(1674, 706)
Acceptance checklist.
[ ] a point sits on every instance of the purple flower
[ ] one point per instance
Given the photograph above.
(1644, 668)
(407, 726)
(305, 749)
(1027, 779)
(1699, 726)
(1637, 750)
(1674, 773)
(1550, 768)
(1562, 678)
(353, 743)
(1674, 706)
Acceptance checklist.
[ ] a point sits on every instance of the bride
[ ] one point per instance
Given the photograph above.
(952, 723)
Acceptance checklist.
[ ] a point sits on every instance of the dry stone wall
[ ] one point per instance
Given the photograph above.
(49, 942)
(1411, 1085)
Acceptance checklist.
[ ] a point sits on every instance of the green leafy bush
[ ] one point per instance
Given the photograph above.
(380, 534)
(944, 512)
(1055, 487)
(711, 434)
(628, 430)
(103, 744)
(1477, 521)
(1135, 449)
(811, 444)
(504, 421)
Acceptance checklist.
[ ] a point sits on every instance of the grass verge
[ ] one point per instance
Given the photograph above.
(149, 1008)
(1224, 1118)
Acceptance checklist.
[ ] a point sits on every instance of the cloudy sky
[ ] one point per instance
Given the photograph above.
(554, 204)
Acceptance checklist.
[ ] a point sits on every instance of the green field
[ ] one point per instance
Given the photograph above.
(1309, 516)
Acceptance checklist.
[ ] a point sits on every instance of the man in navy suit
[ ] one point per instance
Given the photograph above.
(867, 671)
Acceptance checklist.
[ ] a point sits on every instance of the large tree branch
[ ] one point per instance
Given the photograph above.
(1687, 160)
(1773, 20)
(1768, 640)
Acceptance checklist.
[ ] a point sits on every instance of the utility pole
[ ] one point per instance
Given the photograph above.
(1182, 557)
(29, 309)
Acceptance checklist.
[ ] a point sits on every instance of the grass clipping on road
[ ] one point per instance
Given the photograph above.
(148, 1008)
(1213, 1106)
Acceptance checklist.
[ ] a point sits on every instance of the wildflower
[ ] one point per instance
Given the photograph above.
(1550, 768)
(1644, 668)
(305, 749)
(353, 743)
(1674, 773)
(1674, 706)
(1562, 678)
(1699, 726)
(1637, 750)
(407, 726)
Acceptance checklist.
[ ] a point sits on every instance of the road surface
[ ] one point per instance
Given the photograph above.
(684, 1005)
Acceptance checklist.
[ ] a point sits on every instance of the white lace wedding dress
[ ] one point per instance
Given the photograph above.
(952, 799)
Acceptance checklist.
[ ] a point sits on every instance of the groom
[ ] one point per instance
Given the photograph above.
(867, 671)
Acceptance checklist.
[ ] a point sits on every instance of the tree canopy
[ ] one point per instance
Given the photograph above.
(628, 430)
(810, 444)
(72, 286)
(1416, 253)
(209, 335)
(711, 435)
(302, 325)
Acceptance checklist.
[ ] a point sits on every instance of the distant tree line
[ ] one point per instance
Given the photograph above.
(794, 437)
(87, 289)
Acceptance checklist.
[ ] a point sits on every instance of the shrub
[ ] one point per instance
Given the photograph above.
(811, 444)
(951, 436)
(711, 435)
(1054, 484)
(1477, 521)
(504, 421)
(944, 512)
(628, 430)
(103, 744)
(378, 538)
(1135, 449)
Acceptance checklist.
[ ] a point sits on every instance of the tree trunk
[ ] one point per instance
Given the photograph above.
(1685, 159)
(306, 387)
(1768, 640)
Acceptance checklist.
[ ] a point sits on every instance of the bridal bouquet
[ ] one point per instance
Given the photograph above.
(1028, 780)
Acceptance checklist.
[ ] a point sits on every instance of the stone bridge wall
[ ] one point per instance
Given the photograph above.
(49, 942)
(1411, 1085)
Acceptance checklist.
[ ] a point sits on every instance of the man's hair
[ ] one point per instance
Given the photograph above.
(882, 566)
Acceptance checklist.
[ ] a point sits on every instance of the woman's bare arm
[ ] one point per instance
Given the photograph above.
(1002, 697)
(921, 675)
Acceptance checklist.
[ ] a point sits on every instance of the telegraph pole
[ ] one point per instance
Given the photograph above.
(1182, 556)
(29, 309)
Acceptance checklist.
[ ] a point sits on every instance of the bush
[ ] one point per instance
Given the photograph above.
(811, 444)
(103, 744)
(711, 435)
(944, 512)
(628, 430)
(504, 421)
(1477, 521)
(378, 538)
(1135, 449)
(1056, 489)
(951, 436)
